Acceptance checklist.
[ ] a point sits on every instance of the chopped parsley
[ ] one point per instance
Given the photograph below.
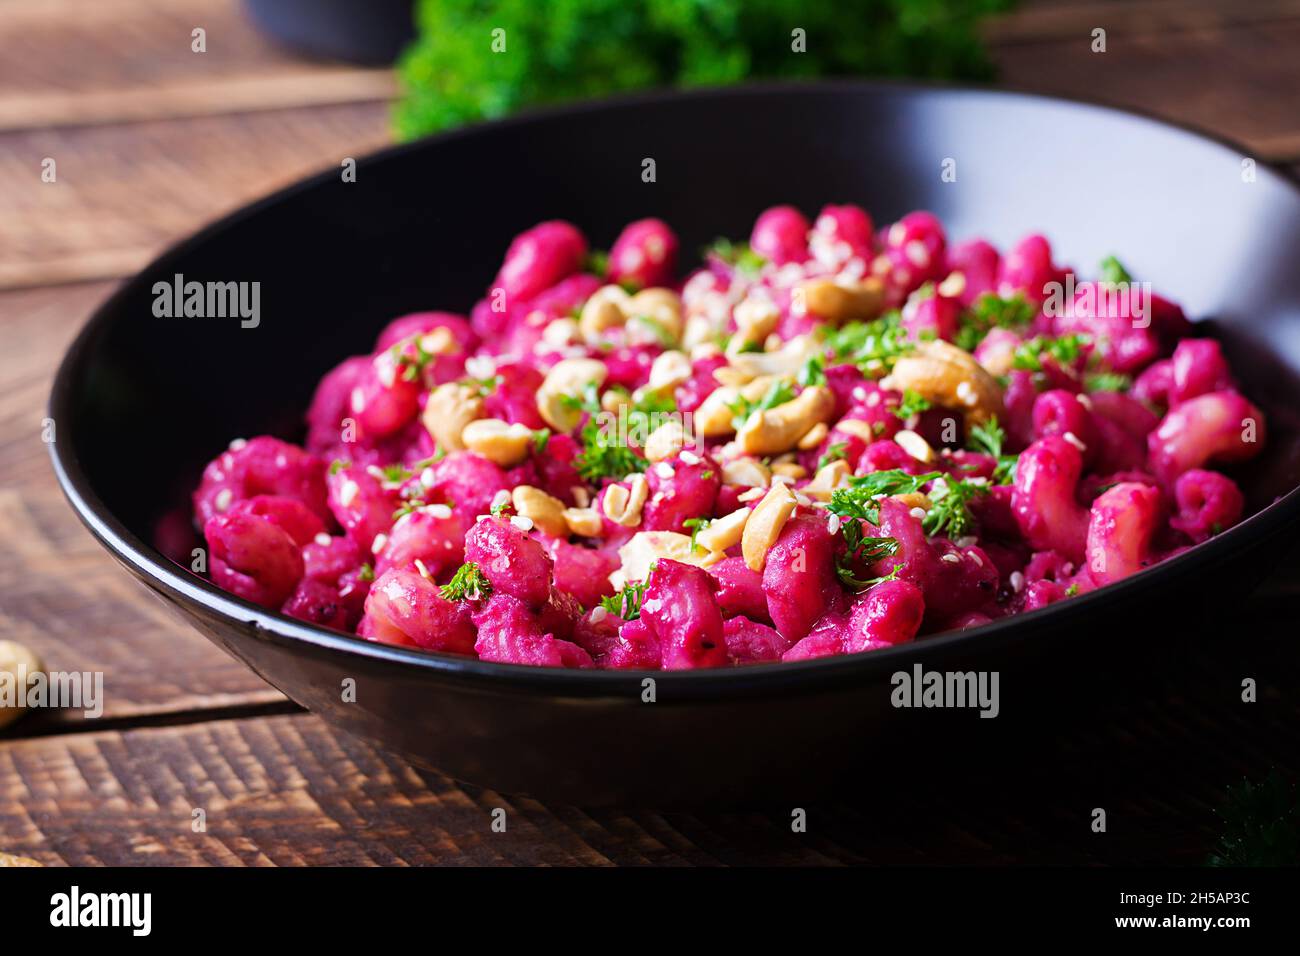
(657, 328)
(627, 602)
(696, 525)
(1107, 382)
(988, 439)
(872, 346)
(469, 583)
(738, 255)
(835, 452)
(950, 507)
(912, 403)
(1111, 271)
(1072, 590)
(367, 572)
(541, 438)
(864, 549)
(597, 263)
(409, 506)
(602, 455)
(990, 312)
(862, 498)
(338, 464)
(813, 371)
(778, 393)
(412, 366)
(1064, 351)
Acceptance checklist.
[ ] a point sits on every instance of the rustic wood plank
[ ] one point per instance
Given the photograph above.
(60, 593)
(288, 790)
(1240, 80)
(122, 193)
(70, 62)
(1039, 20)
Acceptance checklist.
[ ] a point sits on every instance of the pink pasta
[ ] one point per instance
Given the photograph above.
(839, 437)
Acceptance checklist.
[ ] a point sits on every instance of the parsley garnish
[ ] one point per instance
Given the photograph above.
(1112, 272)
(696, 525)
(469, 583)
(1064, 351)
(861, 498)
(912, 403)
(1107, 382)
(1072, 590)
(598, 263)
(367, 572)
(835, 452)
(990, 312)
(603, 456)
(541, 438)
(864, 549)
(627, 602)
(950, 507)
(661, 333)
(1261, 825)
(338, 464)
(778, 393)
(988, 439)
(738, 255)
(409, 506)
(813, 371)
(872, 346)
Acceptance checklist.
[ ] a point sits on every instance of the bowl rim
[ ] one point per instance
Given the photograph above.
(159, 572)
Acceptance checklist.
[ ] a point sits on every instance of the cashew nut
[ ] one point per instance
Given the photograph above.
(501, 442)
(567, 378)
(713, 417)
(858, 427)
(775, 430)
(450, 408)
(746, 472)
(765, 524)
(646, 547)
(622, 504)
(20, 662)
(665, 441)
(663, 307)
(722, 533)
(914, 445)
(606, 308)
(584, 522)
(816, 435)
(669, 370)
(838, 302)
(945, 375)
(547, 512)
(756, 317)
(790, 469)
(828, 478)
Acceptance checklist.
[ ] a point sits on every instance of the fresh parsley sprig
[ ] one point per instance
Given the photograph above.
(949, 511)
(627, 602)
(862, 498)
(778, 393)
(862, 549)
(912, 403)
(469, 583)
(989, 439)
(990, 312)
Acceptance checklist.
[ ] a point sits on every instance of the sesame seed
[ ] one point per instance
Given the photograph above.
(237, 444)
(500, 500)
(966, 541)
(1074, 440)
(690, 458)
(323, 539)
(1017, 581)
(833, 524)
(377, 545)
(598, 614)
(424, 571)
(439, 511)
(974, 556)
(522, 523)
(224, 498)
(951, 558)
(917, 513)
(426, 478)
(348, 492)
(664, 470)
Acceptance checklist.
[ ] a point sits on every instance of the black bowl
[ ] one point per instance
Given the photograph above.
(142, 402)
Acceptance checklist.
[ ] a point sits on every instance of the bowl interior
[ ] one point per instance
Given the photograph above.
(147, 400)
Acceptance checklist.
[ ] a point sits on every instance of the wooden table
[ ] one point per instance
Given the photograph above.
(150, 140)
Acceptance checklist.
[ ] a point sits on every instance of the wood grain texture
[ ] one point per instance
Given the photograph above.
(60, 592)
(69, 62)
(124, 192)
(287, 790)
(1231, 72)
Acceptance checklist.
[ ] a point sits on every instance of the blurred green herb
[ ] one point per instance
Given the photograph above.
(1261, 825)
(480, 59)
